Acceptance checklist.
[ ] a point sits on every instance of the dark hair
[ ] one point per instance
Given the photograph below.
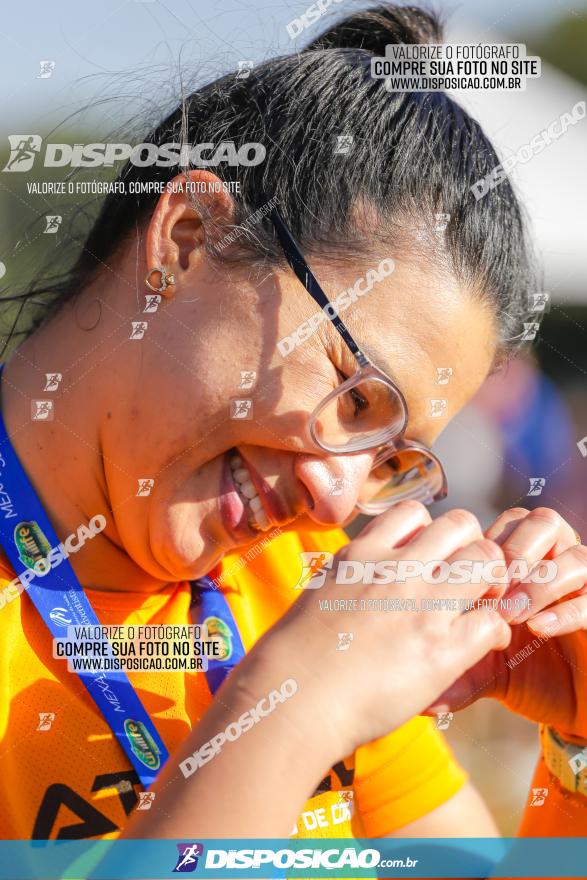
(413, 155)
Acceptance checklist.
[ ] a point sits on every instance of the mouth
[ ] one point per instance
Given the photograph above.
(256, 515)
(243, 512)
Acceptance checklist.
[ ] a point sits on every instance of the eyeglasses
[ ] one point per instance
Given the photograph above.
(367, 411)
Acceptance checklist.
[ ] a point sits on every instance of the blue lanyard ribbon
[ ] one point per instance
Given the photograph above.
(60, 600)
(217, 616)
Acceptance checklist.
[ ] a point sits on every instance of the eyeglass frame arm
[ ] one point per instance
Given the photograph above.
(299, 266)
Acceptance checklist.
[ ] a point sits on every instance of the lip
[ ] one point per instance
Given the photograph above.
(232, 509)
(276, 511)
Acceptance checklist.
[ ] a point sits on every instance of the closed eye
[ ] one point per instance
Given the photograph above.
(359, 402)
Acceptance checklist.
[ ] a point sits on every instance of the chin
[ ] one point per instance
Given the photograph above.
(184, 548)
(183, 566)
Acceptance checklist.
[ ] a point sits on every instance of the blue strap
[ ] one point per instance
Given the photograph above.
(60, 600)
(217, 616)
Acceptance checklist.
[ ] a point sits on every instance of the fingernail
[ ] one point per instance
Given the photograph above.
(519, 607)
(543, 622)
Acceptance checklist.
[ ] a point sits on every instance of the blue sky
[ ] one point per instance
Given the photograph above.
(132, 47)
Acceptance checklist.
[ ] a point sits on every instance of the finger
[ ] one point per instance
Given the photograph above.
(505, 523)
(390, 530)
(474, 635)
(567, 617)
(499, 531)
(470, 575)
(534, 538)
(445, 536)
(569, 574)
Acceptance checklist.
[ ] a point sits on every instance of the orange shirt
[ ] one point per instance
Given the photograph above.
(63, 775)
(561, 814)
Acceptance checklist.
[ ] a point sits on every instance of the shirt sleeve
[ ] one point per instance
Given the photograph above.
(404, 776)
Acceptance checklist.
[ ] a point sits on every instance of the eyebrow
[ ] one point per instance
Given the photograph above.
(384, 367)
(376, 361)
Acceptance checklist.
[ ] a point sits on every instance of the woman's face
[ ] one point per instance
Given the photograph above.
(214, 343)
(171, 401)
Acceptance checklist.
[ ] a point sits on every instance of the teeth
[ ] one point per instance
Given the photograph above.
(248, 490)
(261, 519)
(257, 517)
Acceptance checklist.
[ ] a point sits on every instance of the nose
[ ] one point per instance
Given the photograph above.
(333, 483)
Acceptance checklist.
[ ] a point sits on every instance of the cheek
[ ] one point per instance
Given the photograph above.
(295, 397)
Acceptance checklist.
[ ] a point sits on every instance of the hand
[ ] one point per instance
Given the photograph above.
(399, 660)
(543, 672)
(544, 535)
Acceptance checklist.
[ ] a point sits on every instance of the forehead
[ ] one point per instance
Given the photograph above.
(435, 338)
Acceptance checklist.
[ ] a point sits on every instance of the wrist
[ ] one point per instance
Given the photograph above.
(307, 713)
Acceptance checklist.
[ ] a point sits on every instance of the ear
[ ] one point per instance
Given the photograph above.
(189, 204)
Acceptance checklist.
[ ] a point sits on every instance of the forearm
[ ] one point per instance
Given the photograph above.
(233, 794)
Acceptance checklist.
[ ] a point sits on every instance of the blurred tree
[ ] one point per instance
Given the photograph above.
(564, 45)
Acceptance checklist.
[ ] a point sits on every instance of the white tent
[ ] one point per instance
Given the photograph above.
(552, 184)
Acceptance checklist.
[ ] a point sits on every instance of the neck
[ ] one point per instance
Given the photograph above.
(63, 456)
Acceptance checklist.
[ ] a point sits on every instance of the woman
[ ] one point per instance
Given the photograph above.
(151, 427)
